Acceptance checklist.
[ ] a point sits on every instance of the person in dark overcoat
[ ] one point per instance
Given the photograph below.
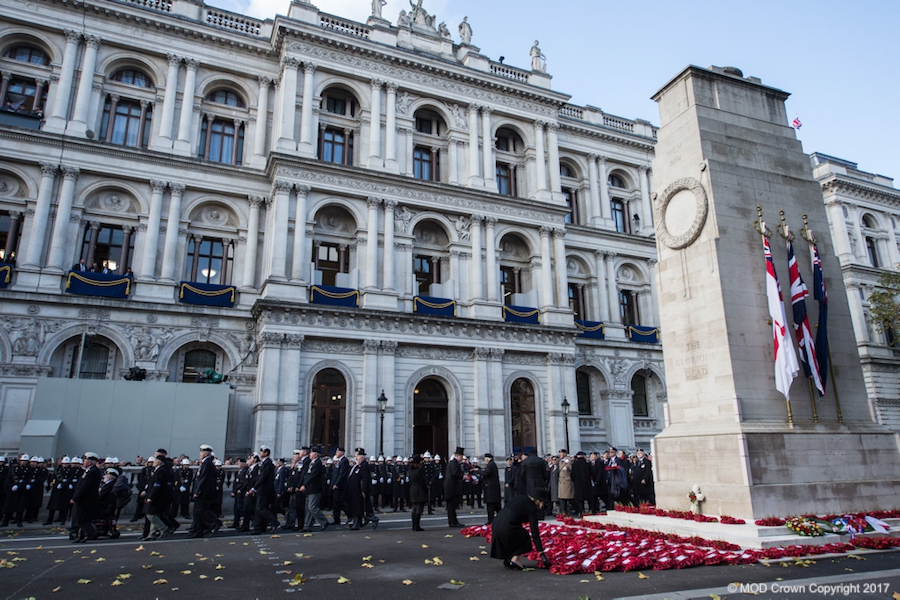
(154, 499)
(34, 488)
(216, 504)
(250, 499)
(264, 491)
(184, 483)
(581, 477)
(238, 489)
(59, 485)
(429, 472)
(313, 485)
(509, 540)
(85, 500)
(418, 491)
(643, 479)
(490, 485)
(509, 479)
(453, 486)
(339, 475)
(359, 486)
(4, 472)
(13, 507)
(143, 478)
(204, 520)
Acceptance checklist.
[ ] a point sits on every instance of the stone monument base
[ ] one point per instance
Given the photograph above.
(746, 536)
(754, 470)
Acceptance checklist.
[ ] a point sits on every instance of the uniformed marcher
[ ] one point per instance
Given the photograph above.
(490, 482)
(34, 488)
(359, 487)
(339, 477)
(264, 491)
(184, 482)
(85, 501)
(143, 478)
(205, 521)
(430, 476)
(293, 511)
(453, 486)
(216, 505)
(16, 479)
(312, 487)
(59, 485)
(4, 472)
(154, 497)
(238, 488)
(437, 488)
(250, 499)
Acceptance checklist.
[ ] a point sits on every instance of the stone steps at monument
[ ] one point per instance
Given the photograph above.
(746, 536)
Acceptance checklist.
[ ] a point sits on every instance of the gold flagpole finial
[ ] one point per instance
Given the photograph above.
(806, 233)
(760, 225)
(783, 230)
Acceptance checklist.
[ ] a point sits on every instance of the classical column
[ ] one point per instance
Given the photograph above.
(187, 107)
(167, 112)
(605, 205)
(541, 157)
(646, 208)
(298, 264)
(307, 139)
(85, 84)
(390, 128)
(252, 241)
(281, 199)
(594, 203)
(860, 239)
(455, 273)
(546, 271)
(13, 233)
(612, 288)
(388, 284)
(601, 295)
(113, 104)
(60, 111)
(173, 223)
(654, 300)
(60, 237)
(562, 280)
(491, 253)
(371, 278)
(92, 243)
(453, 162)
(472, 113)
(476, 291)
(40, 84)
(151, 240)
(409, 151)
(375, 160)
(38, 231)
(553, 157)
(893, 251)
(262, 117)
(6, 75)
(487, 148)
(288, 91)
(127, 231)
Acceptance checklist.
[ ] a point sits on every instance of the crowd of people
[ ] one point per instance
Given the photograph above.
(293, 494)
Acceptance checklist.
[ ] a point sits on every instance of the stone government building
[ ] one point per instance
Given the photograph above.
(323, 210)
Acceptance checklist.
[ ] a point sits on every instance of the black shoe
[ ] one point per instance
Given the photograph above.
(354, 528)
(325, 526)
(455, 525)
(375, 524)
(256, 532)
(47, 523)
(212, 531)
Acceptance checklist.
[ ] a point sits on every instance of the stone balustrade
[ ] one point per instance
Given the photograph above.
(343, 26)
(220, 18)
(501, 70)
(161, 5)
(571, 111)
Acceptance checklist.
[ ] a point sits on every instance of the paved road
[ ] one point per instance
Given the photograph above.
(376, 563)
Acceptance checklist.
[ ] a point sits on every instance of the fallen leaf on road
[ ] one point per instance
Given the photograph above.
(425, 545)
(219, 555)
(299, 554)
(288, 562)
(155, 553)
(93, 552)
(455, 582)
(307, 535)
(855, 557)
(84, 581)
(896, 596)
(367, 566)
(585, 581)
(41, 547)
(407, 582)
(187, 572)
(139, 548)
(220, 578)
(160, 571)
(263, 552)
(274, 537)
(474, 558)
(367, 558)
(160, 582)
(448, 535)
(715, 597)
(101, 559)
(297, 580)
(145, 567)
(11, 553)
(343, 579)
(642, 576)
(57, 588)
(117, 582)
(204, 577)
(484, 552)
(58, 560)
(123, 576)
(219, 567)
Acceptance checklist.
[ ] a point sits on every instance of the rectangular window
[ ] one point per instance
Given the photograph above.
(872, 250)
(619, 215)
(576, 300)
(426, 126)
(6, 244)
(336, 146)
(209, 260)
(628, 308)
(427, 271)
(571, 197)
(331, 259)
(102, 249)
(506, 179)
(505, 145)
(425, 164)
(509, 283)
(336, 106)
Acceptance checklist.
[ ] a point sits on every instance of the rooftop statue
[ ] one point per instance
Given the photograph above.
(465, 31)
(419, 15)
(538, 60)
(376, 7)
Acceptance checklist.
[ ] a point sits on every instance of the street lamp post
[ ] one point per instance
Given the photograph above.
(382, 407)
(565, 407)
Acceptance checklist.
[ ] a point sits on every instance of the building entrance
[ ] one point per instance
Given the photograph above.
(430, 418)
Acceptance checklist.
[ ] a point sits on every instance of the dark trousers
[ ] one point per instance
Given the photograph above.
(204, 517)
(339, 506)
(264, 517)
(138, 510)
(492, 509)
(452, 503)
(238, 511)
(417, 509)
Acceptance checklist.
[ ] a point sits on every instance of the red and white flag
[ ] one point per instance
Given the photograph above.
(796, 124)
(786, 366)
(799, 293)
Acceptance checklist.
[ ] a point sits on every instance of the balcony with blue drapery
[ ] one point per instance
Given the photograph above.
(645, 335)
(103, 285)
(333, 296)
(521, 314)
(6, 270)
(590, 329)
(206, 294)
(429, 305)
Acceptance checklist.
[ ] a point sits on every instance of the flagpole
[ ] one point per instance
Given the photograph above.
(837, 398)
(760, 226)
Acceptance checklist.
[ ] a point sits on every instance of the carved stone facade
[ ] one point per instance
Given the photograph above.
(297, 162)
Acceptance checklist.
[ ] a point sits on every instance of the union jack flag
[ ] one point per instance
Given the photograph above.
(799, 293)
(796, 124)
(786, 367)
(821, 294)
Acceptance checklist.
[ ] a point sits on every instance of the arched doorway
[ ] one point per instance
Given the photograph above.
(430, 418)
(524, 422)
(329, 401)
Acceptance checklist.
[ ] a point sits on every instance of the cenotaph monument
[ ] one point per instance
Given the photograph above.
(725, 146)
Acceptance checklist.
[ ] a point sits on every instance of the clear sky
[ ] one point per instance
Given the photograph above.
(840, 60)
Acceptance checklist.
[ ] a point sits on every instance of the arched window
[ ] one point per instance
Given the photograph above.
(515, 274)
(28, 54)
(329, 401)
(126, 122)
(565, 170)
(524, 427)
(226, 97)
(132, 77)
(94, 362)
(869, 222)
(616, 181)
(196, 364)
(221, 140)
(583, 388)
(872, 251)
(639, 396)
(619, 214)
(338, 102)
(110, 247)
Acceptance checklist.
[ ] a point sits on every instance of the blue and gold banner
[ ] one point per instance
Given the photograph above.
(105, 285)
(427, 305)
(521, 314)
(638, 333)
(6, 270)
(590, 329)
(206, 294)
(333, 296)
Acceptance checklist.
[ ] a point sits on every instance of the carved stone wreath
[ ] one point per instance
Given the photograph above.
(701, 210)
